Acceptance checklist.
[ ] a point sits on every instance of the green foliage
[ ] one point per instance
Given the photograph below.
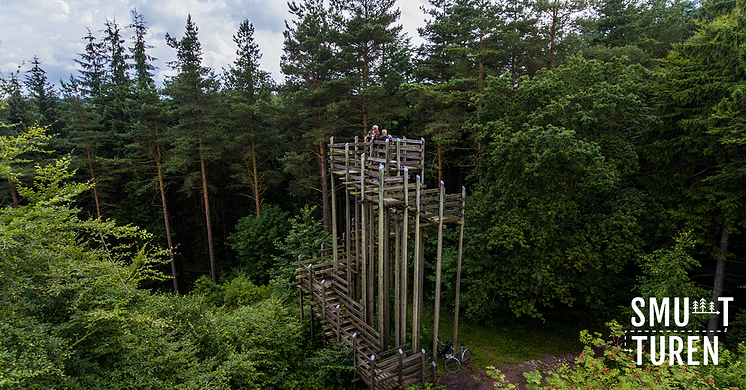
(255, 241)
(33, 139)
(615, 368)
(665, 271)
(696, 160)
(303, 241)
(237, 292)
(64, 279)
(427, 386)
(502, 383)
(730, 373)
(73, 316)
(556, 215)
(645, 30)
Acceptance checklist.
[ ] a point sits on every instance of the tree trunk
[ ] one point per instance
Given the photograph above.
(255, 172)
(440, 162)
(553, 35)
(480, 80)
(207, 210)
(165, 213)
(89, 156)
(719, 284)
(13, 193)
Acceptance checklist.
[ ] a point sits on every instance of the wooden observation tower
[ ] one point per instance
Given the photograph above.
(367, 288)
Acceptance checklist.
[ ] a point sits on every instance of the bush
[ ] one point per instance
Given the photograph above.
(615, 368)
(254, 241)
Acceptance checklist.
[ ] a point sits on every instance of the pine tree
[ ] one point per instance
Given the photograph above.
(249, 91)
(459, 53)
(18, 110)
(518, 39)
(697, 165)
(559, 18)
(83, 112)
(116, 85)
(83, 131)
(644, 31)
(191, 91)
(17, 116)
(143, 62)
(41, 93)
(311, 62)
(367, 32)
(93, 63)
(148, 140)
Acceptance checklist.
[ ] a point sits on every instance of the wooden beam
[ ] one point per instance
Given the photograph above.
(416, 300)
(335, 251)
(348, 250)
(439, 265)
(381, 291)
(458, 266)
(404, 265)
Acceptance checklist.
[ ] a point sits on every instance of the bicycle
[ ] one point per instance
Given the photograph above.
(450, 360)
(465, 356)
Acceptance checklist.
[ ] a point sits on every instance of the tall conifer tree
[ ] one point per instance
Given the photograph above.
(192, 91)
(41, 93)
(311, 62)
(148, 139)
(697, 160)
(368, 31)
(249, 91)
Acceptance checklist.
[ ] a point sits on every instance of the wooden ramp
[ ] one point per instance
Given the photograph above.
(367, 289)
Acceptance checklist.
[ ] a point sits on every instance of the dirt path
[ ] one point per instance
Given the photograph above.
(473, 377)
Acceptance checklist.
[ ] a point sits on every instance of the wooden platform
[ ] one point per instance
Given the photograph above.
(360, 287)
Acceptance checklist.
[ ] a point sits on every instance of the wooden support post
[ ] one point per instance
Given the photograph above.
(458, 265)
(432, 374)
(358, 254)
(397, 285)
(401, 367)
(438, 267)
(423, 366)
(381, 291)
(356, 165)
(386, 276)
(398, 157)
(354, 350)
(323, 299)
(371, 262)
(363, 241)
(372, 372)
(422, 158)
(300, 295)
(335, 254)
(358, 232)
(416, 300)
(310, 298)
(339, 323)
(405, 259)
(348, 250)
(387, 144)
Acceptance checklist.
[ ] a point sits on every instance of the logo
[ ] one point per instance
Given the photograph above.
(671, 341)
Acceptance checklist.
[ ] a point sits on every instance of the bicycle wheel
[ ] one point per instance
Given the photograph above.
(452, 364)
(466, 356)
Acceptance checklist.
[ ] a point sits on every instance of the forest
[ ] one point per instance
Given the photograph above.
(148, 231)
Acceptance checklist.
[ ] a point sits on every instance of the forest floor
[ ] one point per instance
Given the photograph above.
(474, 377)
(512, 348)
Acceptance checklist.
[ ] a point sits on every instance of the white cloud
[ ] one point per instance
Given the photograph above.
(53, 29)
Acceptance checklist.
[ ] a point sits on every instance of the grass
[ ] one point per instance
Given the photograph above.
(511, 344)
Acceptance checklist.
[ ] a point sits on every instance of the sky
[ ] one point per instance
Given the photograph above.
(53, 30)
